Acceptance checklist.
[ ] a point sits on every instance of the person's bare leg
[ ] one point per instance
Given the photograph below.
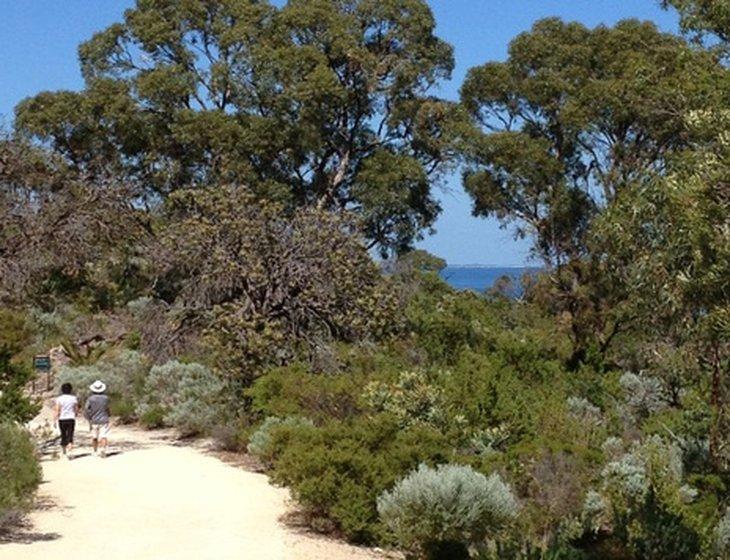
(94, 444)
(102, 444)
(68, 450)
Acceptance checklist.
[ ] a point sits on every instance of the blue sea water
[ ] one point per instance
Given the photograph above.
(480, 278)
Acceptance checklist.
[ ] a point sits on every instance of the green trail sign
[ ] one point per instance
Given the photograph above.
(42, 363)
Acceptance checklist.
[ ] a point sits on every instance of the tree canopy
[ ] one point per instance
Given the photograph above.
(703, 19)
(320, 102)
(572, 121)
(574, 116)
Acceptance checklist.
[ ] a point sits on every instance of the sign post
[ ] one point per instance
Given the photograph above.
(42, 363)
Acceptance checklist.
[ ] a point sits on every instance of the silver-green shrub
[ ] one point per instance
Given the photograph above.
(189, 396)
(448, 504)
(651, 462)
(627, 477)
(613, 447)
(722, 535)
(585, 411)
(260, 444)
(595, 512)
(80, 377)
(20, 472)
(644, 394)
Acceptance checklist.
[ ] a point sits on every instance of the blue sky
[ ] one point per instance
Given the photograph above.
(38, 41)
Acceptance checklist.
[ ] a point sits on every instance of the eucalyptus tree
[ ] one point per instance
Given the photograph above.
(668, 243)
(569, 122)
(62, 234)
(318, 103)
(705, 21)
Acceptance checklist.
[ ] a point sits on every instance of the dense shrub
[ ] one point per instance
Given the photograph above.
(295, 390)
(435, 513)
(14, 336)
(338, 470)
(189, 397)
(411, 399)
(152, 417)
(20, 472)
(643, 503)
(15, 405)
(722, 535)
(644, 394)
(276, 284)
(261, 443)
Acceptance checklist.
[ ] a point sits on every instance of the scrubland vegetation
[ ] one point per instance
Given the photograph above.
(196, 227)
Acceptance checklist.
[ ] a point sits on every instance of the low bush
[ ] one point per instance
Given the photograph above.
(413, 398)
(437, 513)
(261, 442)
(20, 472)
(337, 471)
(152, 417)
(722, 535)
(15, 405)
(187, 396)
(124, 409)
(295, 390)
(644, 506)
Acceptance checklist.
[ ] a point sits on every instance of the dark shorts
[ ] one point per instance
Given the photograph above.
(67, 431)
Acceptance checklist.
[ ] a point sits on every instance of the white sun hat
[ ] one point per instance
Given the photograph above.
(97, 386)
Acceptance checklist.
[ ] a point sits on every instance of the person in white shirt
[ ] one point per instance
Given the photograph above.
(65, 413)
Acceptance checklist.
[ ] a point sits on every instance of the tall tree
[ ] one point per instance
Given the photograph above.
(667, 241)
(63, 234)
(267, 285)
(705, 21)
(563, 127)
(320, 102)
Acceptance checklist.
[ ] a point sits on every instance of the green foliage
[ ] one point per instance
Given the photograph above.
(214, 194)
(337, 471)
(296, 390)
(261, 442)
(663, 534)
(187, 396)
(560, 94)
(152, 417)
(15, 334)
(702, 18)
(124, 410)
(644, 500)
(411, 399)
(15, 331)
(332, 110)
(563, 131)
(431, 510)
(269, 284)
(20, 472)
(15, 404)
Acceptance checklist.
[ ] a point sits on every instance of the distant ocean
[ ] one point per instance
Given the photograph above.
(480, 278)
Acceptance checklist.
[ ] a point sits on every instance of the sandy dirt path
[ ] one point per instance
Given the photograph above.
(152, 499)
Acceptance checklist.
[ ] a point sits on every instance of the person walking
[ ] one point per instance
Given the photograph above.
(64, 413)
(97, 413)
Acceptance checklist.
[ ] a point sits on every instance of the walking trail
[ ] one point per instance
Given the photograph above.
(153, 499)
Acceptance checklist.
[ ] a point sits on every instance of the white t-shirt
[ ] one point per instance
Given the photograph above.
(68, 405)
